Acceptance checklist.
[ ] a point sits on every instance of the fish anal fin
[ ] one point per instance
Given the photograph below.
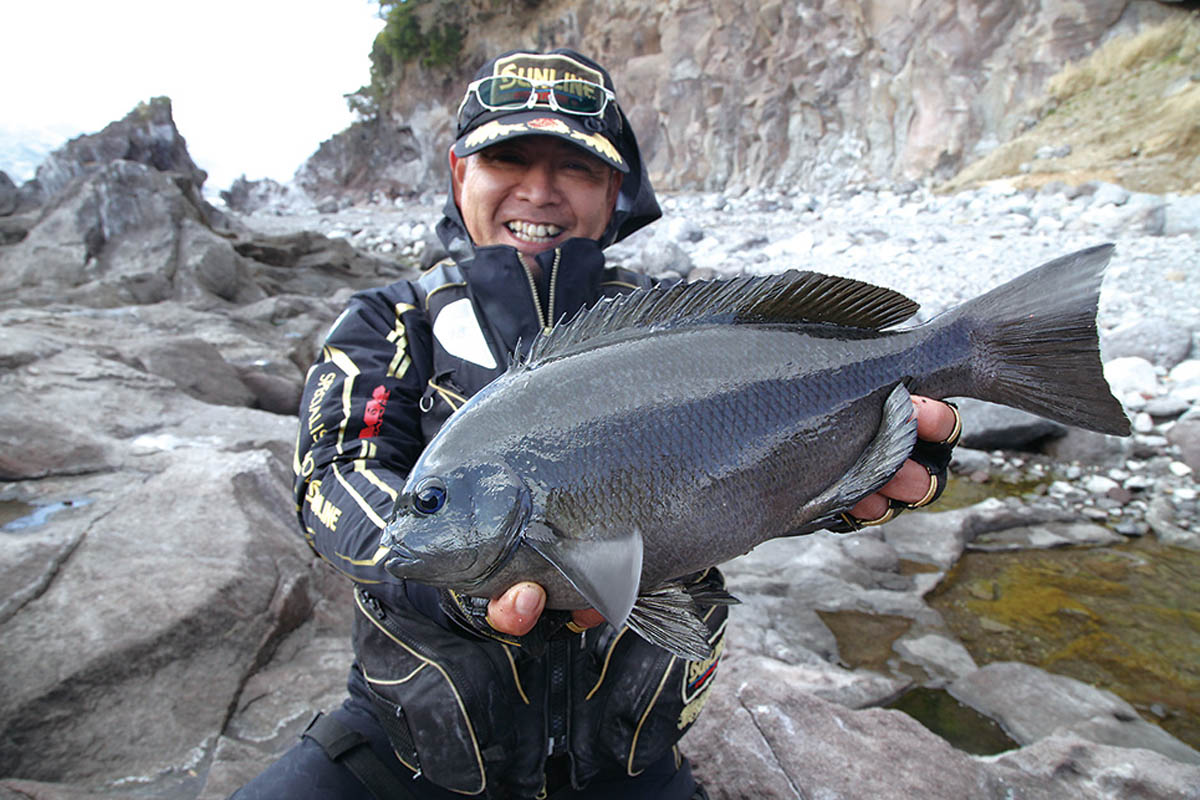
(668, 617)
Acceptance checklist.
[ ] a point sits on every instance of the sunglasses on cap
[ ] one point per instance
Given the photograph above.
(512, 93)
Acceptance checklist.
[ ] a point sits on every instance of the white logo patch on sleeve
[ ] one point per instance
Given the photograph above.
(458, 331)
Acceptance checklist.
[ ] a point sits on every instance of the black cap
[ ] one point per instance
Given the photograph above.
(600, 135)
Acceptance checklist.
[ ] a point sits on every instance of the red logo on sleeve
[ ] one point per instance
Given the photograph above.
(373, 415)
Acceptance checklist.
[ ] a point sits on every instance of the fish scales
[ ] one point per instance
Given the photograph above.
(761, 435)
(671, 430)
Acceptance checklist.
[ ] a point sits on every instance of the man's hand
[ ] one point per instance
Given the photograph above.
(936, 422)
(517, 610)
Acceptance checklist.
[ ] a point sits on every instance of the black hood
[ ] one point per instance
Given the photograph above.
(636, 204)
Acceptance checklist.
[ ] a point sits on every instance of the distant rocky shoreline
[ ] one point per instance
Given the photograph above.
(153, 582)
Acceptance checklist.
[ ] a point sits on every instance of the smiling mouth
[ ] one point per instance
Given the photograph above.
(533, 232)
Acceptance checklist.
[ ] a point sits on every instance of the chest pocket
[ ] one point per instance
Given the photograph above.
(464, 359)
(451, 706)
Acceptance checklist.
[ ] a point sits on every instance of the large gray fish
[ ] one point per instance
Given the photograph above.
(669, 430)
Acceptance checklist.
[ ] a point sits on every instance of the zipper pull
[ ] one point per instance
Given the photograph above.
(374, 605)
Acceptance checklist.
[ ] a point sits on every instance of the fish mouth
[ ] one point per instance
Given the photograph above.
(401, 556)
(400, 561)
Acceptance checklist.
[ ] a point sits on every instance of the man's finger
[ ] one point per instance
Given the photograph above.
(871, 507)
(587, 618)
(517, 610)
(936, 421)
(910, 485)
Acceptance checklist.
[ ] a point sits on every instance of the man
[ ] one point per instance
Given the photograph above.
(452, 695)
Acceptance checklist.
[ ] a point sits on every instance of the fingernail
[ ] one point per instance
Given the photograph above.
(527, 602)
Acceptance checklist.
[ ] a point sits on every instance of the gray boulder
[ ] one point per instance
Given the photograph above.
(988, 426)
(375, 156)
(275, 393)
(1155, 340)
(116, 237)
(9, 195)
(760, 737)
(1089, 447)
(126, 234)
(1080, 768)
(1185, 434)
(1051, 534)
(940, 537)
(32, 195)
(196, 367)
(1182, 216)
(162, 597)
(146, 135)
(13, 229)
(265, 195)
(1031, 704)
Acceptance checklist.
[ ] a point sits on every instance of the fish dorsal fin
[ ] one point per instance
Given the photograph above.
(789, 298)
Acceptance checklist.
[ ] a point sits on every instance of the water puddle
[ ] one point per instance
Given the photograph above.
(19, 517)
(865, 640)
(962, 726)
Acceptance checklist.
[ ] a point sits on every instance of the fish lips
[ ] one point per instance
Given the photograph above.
(400, 558)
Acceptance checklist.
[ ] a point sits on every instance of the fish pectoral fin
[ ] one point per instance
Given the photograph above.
(881, 459)
(667, 617)
(606, 569)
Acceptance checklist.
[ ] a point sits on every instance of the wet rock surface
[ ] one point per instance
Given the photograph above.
(154, 581)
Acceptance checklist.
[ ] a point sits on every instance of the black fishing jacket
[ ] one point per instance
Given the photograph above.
(464, 706)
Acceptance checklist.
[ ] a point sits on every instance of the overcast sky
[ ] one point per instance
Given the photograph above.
(255, 85)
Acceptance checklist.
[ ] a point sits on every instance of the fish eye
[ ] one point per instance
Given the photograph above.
(429, 496)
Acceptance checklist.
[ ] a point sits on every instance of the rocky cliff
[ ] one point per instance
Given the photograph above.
(725, 96)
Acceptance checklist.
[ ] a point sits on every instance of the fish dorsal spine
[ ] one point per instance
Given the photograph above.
(792, 297)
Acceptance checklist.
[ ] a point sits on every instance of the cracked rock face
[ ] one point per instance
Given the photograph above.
(151, 356)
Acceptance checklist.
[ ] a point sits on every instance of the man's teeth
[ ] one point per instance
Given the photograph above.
(534, 232)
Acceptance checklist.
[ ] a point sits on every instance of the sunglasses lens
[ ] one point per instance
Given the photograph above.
(504, 93)
(579, 97)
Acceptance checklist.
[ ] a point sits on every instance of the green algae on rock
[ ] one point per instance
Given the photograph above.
(1123, 618)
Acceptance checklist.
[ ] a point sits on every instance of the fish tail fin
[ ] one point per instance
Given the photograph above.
(1036, 346)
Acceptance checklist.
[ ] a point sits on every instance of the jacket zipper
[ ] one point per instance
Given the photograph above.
(558, 693)
(543, 320)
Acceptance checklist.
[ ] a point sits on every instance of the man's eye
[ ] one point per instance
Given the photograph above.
(506, 157)
(580, 167)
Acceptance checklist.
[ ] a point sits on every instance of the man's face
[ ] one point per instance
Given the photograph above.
(533, 193)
